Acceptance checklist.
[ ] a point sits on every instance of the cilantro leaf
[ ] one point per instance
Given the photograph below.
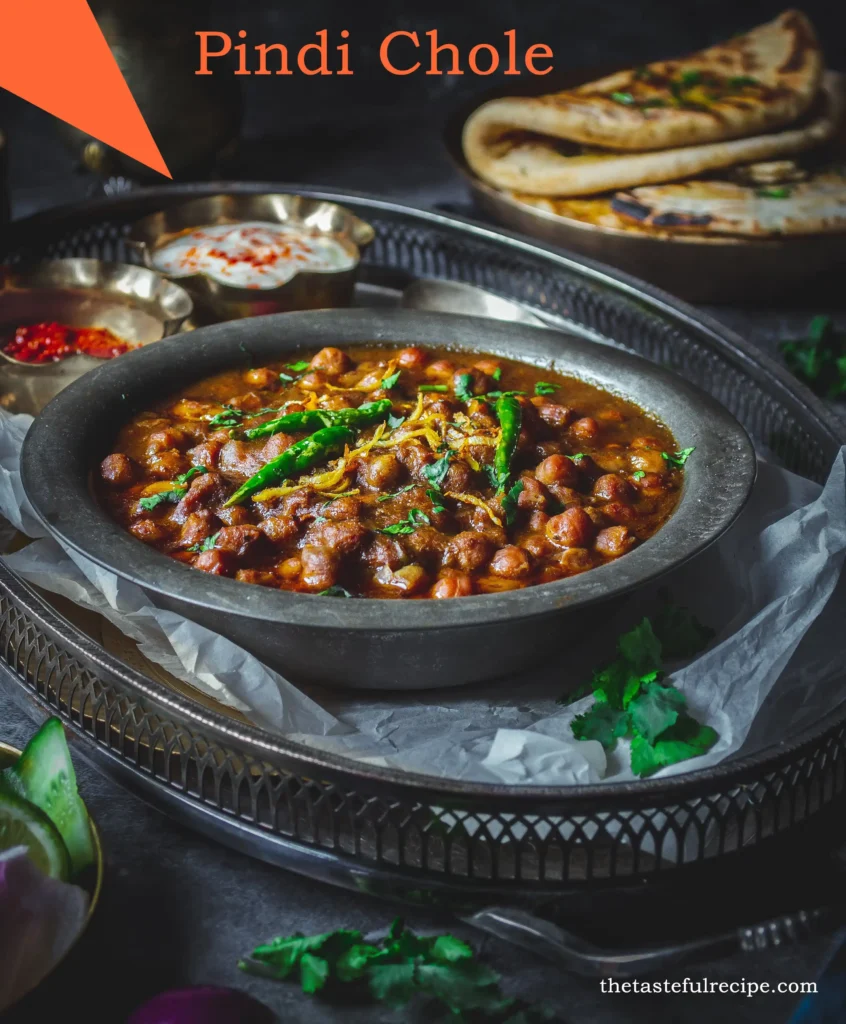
(601, 722)
(388, 382)
(497, 374)
(678, 459)
(334, 591)
(395, 421)
(463, 382)
(577, 457)
(625, 98)
(314, 971)
(638, 474)
(183, 478)
(680, 633)
(641, 648)
(449, 949)
(416, 517)
(435, 498)
(509, 502)
(283, 954)
(629, 698)
(205, 545)
(393, 984)
(774, 193)
(467, 985)
(691, 77)
(819, 359)
(154, 500)
(686, 739)
(435, 473)
(402, 490)
(655, 709)
(299, 367)
(544, 388)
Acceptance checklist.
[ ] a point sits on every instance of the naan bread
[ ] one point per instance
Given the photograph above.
(535, 165)
(816, 206)
(753, 83)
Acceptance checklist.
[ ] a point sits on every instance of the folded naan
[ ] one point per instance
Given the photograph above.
(536, 166)
(667, 120)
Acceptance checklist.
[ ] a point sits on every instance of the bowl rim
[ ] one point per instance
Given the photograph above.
(55, 470)
(25, 277)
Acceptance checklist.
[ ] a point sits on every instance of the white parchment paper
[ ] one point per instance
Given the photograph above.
(770, 588)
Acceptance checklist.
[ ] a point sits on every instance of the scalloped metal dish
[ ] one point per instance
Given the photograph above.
(387, 832)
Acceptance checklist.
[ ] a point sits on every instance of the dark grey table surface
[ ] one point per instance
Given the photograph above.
(178, 909)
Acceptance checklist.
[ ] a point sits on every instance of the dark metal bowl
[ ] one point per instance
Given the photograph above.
(377, 643)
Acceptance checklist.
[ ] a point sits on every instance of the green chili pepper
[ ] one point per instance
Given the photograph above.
(319, 447)
(510, 417)
(364, 416)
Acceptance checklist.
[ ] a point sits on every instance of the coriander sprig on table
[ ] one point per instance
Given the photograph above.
(631, 700)
(439, 969)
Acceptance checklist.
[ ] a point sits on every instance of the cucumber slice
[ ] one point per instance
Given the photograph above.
(44, 776)
(23, 824)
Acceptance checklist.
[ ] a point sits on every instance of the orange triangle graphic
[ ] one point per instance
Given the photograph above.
(53, 54)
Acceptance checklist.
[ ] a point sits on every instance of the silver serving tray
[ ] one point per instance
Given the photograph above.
(381, 831)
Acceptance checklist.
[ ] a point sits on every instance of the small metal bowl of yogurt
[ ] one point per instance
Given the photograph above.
(255, 254)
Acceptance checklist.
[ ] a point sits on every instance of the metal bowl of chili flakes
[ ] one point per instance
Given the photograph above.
(61, 318)
(372, 642)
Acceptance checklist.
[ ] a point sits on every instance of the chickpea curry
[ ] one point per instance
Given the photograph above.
(386, 472)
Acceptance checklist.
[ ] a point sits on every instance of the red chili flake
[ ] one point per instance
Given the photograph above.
(51, 342)
(100, 343)
(40, 343)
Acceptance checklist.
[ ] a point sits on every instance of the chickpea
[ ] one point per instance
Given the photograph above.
(585, 429)
(614, 541)
(261, 377)
(573, 528)
(511, 562)
(440, 368)
(331, 361)
(117, 470)
(217, 563)
(611, 487)
(381, 472)
(488, 366)
(533, 496)
(289, 569)
(536, 545)
(169, 464)
(574, 560)
(646, 460)
(558, 469)
(319, 567)
(458, 585)
(555, 415)
(148, 530)
(412, 358)
(469, 550)
(538, 520)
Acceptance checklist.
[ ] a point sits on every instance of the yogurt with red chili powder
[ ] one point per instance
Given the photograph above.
(252, 254)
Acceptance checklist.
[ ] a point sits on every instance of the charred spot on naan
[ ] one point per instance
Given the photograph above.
(628, 206)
